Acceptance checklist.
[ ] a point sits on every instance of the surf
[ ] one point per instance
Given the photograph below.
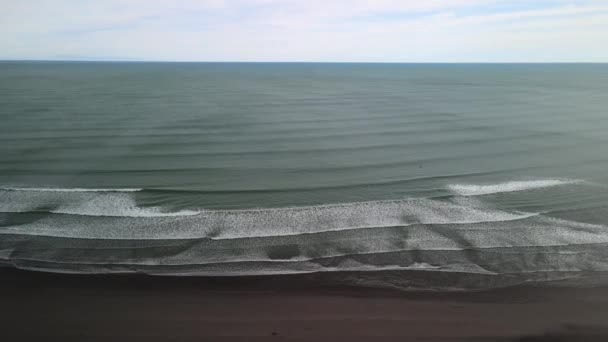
(70, 189)
(108, 231)
(80, 201)
(511, 186)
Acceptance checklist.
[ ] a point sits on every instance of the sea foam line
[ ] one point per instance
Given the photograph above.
(83, 202)
(70, 189)
(512, 186)
(221, 225)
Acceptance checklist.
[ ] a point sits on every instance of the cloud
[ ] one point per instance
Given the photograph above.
(312, 30)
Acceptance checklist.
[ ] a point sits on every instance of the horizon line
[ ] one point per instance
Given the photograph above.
(289, 62)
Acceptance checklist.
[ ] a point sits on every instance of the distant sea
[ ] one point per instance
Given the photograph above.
(455, 175)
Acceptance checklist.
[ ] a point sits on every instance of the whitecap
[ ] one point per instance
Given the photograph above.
(86, 202)
(512, 186)
(71, 189)
(131, 222)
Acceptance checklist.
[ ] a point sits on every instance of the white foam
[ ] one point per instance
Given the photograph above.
(495, 229)
(87, 202)
(231, 224)
(91, 209)
(71, 189)
(486, 189)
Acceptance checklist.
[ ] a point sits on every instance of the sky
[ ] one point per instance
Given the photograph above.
(306, 30)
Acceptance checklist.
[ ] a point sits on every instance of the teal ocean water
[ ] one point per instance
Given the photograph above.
(493, 172)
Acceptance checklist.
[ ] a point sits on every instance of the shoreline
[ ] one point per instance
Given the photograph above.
(151, 308)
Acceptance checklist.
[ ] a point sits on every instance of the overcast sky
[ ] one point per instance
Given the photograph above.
(306, 30)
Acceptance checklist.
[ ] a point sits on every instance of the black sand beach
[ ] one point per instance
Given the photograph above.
(341, 171)
(142, 308)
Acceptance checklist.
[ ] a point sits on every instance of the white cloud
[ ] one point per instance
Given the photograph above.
(312, 30)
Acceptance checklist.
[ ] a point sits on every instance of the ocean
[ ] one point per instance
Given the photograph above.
(443, 176)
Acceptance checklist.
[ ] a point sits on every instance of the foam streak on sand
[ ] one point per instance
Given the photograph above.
(487, 189)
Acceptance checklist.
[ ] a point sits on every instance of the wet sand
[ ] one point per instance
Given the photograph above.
(63, 307)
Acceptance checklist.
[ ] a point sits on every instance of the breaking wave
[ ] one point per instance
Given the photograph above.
(88, 202)
(487, 189)
(69, 189)
(106, 231)
(133, 222)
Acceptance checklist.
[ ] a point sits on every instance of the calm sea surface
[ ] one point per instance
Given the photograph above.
(498, 172)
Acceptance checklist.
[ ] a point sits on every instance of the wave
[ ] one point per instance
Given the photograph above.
(70, 189)
(46, 231)
(512, 186)
(121, 202)
(494, 261)
(79, 201)
(245, 268)
(231, 224)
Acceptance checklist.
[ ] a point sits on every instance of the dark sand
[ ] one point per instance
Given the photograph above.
(39, 306)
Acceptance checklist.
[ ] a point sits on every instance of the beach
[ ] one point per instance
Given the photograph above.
(143, 308)
(340, 171)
